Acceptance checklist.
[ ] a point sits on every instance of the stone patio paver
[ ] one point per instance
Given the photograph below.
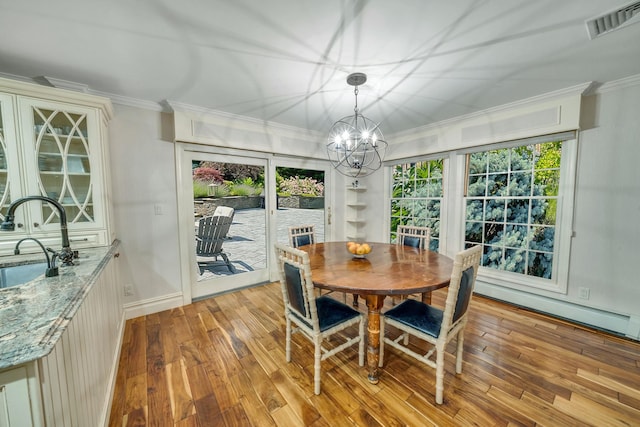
(246, 246)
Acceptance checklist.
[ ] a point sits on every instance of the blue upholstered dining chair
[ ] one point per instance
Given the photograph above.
(317, 318)
(301, 235)
(414, 236)
(433, 325)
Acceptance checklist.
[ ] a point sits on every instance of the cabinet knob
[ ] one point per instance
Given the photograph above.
(20, 225)
(36, 225)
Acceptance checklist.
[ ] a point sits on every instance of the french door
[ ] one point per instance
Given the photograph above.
(306, 209)
(242, 259)
(254, 227)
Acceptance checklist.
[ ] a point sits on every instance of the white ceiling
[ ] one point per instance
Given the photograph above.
(287, 60)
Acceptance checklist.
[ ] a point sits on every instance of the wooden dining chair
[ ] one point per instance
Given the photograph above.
(301, 235)
(435, 326)
(317, 318)
(416, 237)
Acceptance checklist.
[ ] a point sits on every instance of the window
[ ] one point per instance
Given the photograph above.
(512, 208)
(416, 197)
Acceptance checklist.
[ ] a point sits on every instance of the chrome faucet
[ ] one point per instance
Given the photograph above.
(52, 270)
(66, 255)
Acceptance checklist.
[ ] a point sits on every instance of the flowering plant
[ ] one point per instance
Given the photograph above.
(297, 186)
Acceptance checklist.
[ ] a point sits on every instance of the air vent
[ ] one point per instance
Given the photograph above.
(613, 20)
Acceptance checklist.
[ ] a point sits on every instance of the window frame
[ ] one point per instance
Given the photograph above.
(444, 157)
(564, 217)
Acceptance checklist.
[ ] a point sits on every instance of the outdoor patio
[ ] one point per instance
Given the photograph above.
(246, 247)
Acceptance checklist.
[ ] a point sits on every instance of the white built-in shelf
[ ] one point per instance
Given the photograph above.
(356, 220)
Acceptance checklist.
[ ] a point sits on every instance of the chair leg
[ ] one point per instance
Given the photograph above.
(226, 261)
(355, 300)
(439, 373)
(459, 351)
(288, 341)
(316, 365)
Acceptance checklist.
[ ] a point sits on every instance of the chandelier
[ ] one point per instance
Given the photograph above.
(356, 145)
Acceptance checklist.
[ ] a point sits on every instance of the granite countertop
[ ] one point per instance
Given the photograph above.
(34, 315)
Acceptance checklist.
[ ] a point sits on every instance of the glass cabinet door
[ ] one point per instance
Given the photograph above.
(9, 164)
(64, 167)
(62, 152)
(5, 193)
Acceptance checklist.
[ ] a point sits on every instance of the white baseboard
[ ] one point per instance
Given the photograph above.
(613, 322)
(633, 328)
(153, 305)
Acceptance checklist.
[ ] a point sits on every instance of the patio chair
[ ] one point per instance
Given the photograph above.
(317, 318)
(433, 325)
(211, 234)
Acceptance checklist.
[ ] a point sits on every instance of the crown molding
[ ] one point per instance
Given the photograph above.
(579, 89)
(62, 84)
(132, 102)
(180, 107)
(619, 84)
(16, 77)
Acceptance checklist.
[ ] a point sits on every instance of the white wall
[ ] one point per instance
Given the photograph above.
(606, 220)
(145, 208)
(605, 256)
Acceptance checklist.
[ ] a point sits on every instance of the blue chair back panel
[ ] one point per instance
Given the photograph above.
(414, 242)
(464, 294)
(302, 240)
(294, 288)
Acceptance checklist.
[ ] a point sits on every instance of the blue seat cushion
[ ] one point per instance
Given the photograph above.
(418, 315)
(332, 312)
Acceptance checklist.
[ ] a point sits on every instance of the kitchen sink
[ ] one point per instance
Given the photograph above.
(14, 275)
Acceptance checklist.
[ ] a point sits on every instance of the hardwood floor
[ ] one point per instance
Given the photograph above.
(220, 362)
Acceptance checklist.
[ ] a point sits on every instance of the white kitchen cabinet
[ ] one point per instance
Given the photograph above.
(61, 372)
(53, 143)
(355, 212)
(19, 398)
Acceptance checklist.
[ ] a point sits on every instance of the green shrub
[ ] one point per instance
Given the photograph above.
(220, 190)
(200, 189)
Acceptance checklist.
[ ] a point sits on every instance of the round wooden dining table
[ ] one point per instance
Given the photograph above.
(389, 269)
